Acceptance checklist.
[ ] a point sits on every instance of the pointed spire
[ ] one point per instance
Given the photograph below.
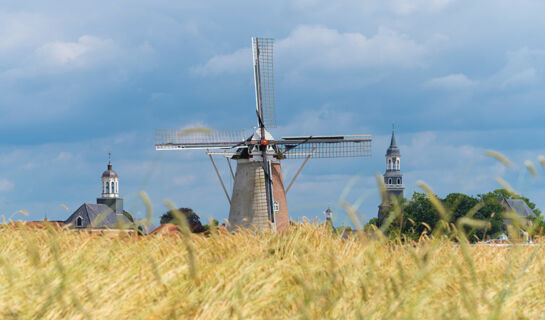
(393, 150)
(109, 159)
(393, 141)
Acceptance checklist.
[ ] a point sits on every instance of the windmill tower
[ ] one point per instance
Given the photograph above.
(258, 198)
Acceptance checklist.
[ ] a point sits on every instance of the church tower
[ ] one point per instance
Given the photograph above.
(110, 189)
(110, 181)
(393, 179)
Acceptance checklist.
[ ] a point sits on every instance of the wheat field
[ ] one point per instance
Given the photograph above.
(307, 272)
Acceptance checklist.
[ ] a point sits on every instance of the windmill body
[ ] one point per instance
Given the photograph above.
(258, 198)
(249, 203)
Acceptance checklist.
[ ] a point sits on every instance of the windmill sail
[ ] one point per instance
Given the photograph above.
(199, 138)
(264, 81)
(325, 146)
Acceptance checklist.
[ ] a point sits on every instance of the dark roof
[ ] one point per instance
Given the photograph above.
(393, 174)
(98, 216)
(520, 207)
(393, 150)
(109, 173)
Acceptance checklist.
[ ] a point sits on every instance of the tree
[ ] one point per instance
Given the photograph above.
(193, 219)
(372, 222)
(489, 209)
(459, 204)
(418, 214)
(215, 223)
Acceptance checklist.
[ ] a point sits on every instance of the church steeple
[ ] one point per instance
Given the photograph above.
(110, 181)
(393, 150)
(393, 178)
(393, 156)
(110, 188)
(393, 141)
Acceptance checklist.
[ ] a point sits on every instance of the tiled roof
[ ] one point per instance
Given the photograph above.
(520, 207)
(98, 216)
(167, 228)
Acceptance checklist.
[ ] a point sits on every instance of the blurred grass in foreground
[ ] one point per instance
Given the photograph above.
(308, 272)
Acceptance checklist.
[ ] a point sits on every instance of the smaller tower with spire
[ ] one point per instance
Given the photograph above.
(110, 188)
(393, 178)
(110, 181)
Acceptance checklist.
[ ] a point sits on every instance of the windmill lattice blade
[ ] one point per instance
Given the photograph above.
(199, 138)
(326, 146)
(265, 79)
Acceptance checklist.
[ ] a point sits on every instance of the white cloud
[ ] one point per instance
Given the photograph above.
(20, 29)
(5, 185)
(184, 180)
(424, 149)
(320, 122)
(321, 47)
(99, 65)
(313, 47)
(452, 81)
(526, 76)
(64, 156)
(405, 7)
(88, 52)
(79, 53)
(231, 63)
(369, 7)
(446, 166)
(523, 68)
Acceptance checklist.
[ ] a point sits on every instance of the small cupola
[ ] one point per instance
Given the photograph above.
(110, 181)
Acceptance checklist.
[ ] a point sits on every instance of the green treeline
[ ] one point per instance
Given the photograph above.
(418, 215)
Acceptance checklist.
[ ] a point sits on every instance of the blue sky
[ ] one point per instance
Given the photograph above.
(457, 77)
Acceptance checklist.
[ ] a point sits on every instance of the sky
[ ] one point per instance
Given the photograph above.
(77, 78)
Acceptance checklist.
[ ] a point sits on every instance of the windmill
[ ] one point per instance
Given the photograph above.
(258, 198)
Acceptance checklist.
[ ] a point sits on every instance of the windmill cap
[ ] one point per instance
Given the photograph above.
(257, 136)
